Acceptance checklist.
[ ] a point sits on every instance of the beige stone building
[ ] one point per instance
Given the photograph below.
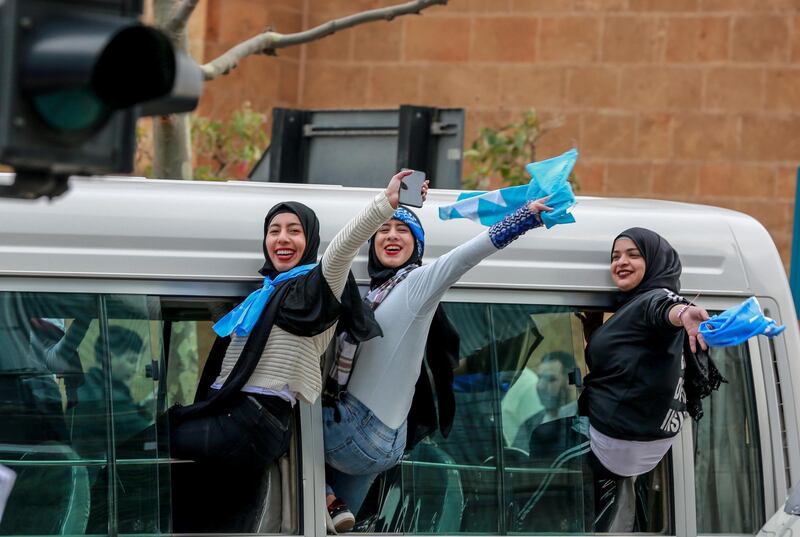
(695, 100)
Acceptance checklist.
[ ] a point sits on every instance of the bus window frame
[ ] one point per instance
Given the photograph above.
(771, 350)
(312, 482)
(683, 521)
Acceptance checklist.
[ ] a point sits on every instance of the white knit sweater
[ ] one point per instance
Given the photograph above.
(294, 361)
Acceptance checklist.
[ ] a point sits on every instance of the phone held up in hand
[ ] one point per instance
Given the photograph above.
(411, 189)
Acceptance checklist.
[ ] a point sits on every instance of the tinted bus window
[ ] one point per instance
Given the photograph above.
(78, 405)
(270, 505)
(728, 475)
(515, 458)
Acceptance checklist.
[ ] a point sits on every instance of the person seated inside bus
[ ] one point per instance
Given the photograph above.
(268, 357)
(552, 387)
(39, 374)
(36, 350)
(633, 396)
(131, 417)
(365, 423)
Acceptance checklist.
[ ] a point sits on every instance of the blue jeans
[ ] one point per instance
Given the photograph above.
(357, 449)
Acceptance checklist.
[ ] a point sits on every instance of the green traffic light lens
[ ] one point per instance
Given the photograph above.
(71, 110)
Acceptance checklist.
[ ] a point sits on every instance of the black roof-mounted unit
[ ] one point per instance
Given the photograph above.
(363, 147)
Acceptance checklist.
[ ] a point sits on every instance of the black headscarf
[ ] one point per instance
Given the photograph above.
(441, 352)
(662, 268)
(304, 306)
(308, 219)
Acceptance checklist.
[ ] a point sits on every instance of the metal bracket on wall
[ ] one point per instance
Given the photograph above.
(363, 147)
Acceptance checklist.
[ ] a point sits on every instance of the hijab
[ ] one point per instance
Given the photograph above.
(662, 268)
(378, 273)
(304, 306)
(308, 219)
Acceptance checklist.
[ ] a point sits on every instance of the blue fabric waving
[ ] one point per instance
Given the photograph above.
(738, 324)
(549, 178)
(241, 319)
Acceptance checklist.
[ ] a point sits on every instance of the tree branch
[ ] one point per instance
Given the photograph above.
(268, 42)
(180, 16)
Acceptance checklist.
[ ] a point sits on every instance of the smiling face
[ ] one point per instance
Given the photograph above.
(394, 244)
(627, 264)
(285, 241)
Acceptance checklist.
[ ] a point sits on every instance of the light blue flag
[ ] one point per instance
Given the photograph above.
(241, 319)
(738, 324)
(549, 178)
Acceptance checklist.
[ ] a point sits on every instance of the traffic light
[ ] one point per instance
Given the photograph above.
(72, 76)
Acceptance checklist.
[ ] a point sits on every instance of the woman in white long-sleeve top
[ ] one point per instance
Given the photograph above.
(365, 429)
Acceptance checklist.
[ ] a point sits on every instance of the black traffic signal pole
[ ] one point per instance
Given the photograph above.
(72, 74)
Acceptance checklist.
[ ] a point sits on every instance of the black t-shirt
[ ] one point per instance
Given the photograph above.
(634, 389)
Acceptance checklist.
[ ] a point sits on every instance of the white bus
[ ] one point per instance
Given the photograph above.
(107, 296)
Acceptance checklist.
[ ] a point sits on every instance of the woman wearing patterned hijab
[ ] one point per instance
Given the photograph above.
(634, 393)
(365, 429)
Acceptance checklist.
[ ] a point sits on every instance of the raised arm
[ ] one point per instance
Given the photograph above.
(339, 255)
(434, 279)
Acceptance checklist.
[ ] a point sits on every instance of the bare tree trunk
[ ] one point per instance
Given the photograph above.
(172, 150)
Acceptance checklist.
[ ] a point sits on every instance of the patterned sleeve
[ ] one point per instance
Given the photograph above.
(513, 226)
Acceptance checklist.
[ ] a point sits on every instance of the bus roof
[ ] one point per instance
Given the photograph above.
(135, 228)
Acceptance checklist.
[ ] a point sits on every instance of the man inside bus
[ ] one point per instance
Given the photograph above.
(552, 387)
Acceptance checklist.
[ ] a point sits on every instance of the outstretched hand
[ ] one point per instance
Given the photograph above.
(393, 188)
(691, 319)
(425, 187)
(538, 206)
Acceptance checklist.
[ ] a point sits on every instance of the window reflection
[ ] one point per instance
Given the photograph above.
(728, 476)
(515, 459)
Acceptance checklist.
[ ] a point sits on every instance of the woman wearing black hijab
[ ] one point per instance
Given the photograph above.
(268, 353)
(634, 393)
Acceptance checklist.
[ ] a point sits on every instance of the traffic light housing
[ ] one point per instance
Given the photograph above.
(72, 76)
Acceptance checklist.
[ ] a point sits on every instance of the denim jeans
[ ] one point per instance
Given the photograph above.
(357, 449)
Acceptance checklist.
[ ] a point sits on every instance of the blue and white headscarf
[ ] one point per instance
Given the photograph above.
(378, 273)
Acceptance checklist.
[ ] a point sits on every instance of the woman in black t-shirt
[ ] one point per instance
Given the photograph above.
(634, 395)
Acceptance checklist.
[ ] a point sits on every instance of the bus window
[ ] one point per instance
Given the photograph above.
(84, 389)
(728, 475)
(515, 458)
(267, 506)
(78, 413)
(40, 371)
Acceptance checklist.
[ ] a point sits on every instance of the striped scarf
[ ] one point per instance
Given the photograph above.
(346, 345)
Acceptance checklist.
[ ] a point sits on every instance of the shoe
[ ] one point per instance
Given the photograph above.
(343, 519)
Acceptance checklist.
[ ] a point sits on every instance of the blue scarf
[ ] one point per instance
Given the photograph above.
(738, 324)
(241, 319)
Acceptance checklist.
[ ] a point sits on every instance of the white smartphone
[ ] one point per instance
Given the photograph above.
(411, 189)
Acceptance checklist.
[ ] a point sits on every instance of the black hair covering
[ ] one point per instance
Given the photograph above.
(441, 356)
(304, 306)
(662, 265)
(310, 223)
